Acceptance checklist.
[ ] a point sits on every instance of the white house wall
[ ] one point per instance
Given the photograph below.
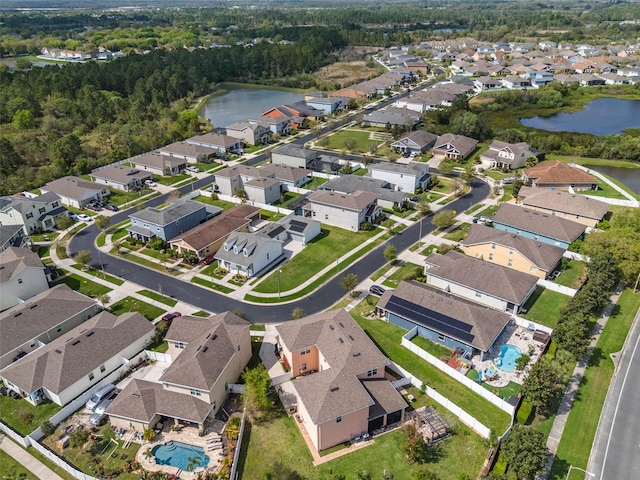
(465, 292)
(338, 217)
(28, 283)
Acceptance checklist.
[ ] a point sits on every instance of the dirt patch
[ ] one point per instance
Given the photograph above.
(354, 65)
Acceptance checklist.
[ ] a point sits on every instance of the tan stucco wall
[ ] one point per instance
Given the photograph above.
(589, 222)
(501, 256)
(332, 433)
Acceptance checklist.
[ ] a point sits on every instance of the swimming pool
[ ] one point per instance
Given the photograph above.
(178, 454)
(508, 356)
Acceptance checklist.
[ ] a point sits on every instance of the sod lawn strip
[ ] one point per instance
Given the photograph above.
(130, 304)
(159, 298)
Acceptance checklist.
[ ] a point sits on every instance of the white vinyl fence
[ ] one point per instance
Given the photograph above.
(555, 287)
(157, 356)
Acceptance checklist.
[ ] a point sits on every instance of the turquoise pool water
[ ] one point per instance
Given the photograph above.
(508, 356)
(177, 454)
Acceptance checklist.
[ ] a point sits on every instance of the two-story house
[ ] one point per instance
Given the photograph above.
(508, 156)
(22, 275)
(348, 211)
(258, 186)
(168, 222)
(407, 177)
(76, 192)
(294, 156)
(249, 254)
(36, 213)
(249, 133)
(338, 377)
(388, 195)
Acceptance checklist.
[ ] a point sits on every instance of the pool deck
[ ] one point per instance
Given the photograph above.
(512, 335)
(188, 435)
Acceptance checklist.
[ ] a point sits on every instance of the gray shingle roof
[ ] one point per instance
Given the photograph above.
(185, 148)
(212, 343)
(336, 390)
(296, 151)
(486, 277)
(418, 137)
(352, 183)
(181, 208)
(67, 359)
(539, 223)
(411, 168)
(157, 160)
(142, 400)
(564, 202)
(8, 232)
(250, 242)
(462, 144)
(285, 172)
(73, 187)
(486, 323)
(542, 255)
(15, 260)
(40, 313)
(356, 201)
(120, 174)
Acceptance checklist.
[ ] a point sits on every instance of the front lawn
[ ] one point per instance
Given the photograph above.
(320, 252)
(12, 469)
(84, 286)
(130, 304)
(458, 233)
(119, 197)
(23, 417)
(173, 179)
(211, 285)
(408, 269)
(159, 297)
(544, 307)
(217, 203)
(99, 274)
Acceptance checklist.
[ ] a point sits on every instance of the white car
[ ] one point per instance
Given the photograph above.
(150, 183)
(84, 217)
(193, 169)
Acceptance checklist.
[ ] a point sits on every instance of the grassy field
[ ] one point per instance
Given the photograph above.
(315, 183)
(361, 138)
(11, 469)
(159, 298)
(320, 252)
(99, 274)
(580, 430)
(212, 285)
(130, 304)
(396, 277)
(435, 349)
(84, 286)
(544, 307)
(23, 417)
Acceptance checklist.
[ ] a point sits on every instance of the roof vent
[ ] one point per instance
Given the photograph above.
(76, 342)
(341, 325)
(204, 349)
(199, 348)
(17, 314)
(90, 333)
(214, 337)
(208, 336)
(350, 338)
(341, 340)
(332, 327)
(57, 351)
(357, 354)
(135, 395)
(34, 305)
(335, 389)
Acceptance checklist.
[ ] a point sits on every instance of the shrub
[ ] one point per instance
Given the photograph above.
(524, 412)
(27, 417)
(47, 428)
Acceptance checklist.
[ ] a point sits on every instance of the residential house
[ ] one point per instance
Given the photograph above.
(479, 281)
(249, 254)
(300, 229)
(256, 184)
(207, 238)
(22, 275)
(513, 81)
(388, 195)
(327, 105)
(266, 190)
(545, 227)
(249, 133)
(423, 100)
(402, 117)
(36, 213)
(74, 362)
(342, 210)
(407, 177)
(454, 147)
(338, 378)
(76, 192)
(278, 125)
(168, 222)
(121, 177)
(483, 84)
(189, 152)
(578, 208)
(294, 156)
(12, 236)
(218, 142)
(416, 142)
(508, 156)
(445, 319)
(555, 174)
(511, 250)
(287, 176)
(163, 165)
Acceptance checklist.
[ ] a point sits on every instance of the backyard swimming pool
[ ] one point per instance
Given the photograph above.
(507, 359)
(180, 455)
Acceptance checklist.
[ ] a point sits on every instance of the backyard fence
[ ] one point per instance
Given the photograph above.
(557, 288)
(529, 325)
(238, 200)
(53, 458)
(463, 416)
(236, 455)
(453, 373)
(576, 256)
(157, 356)
(280, 379)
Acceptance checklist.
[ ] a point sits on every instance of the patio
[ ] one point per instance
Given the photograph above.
(512, 335)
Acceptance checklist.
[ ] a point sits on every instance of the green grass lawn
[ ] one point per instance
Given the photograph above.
(362, 140)
(23, 417)
(574, 275)
(11, 469)
(580, 430)
(458, 233)
(544, 307)
(287, 198)
(119, 197)
(201, 313)
(381, 272)
(162, 348)
(400, 274)
(444, 186)
(130, 304)
(280, 441)
(43, 251)
(119, 234)
(474, 208)
(99, 274)
(149, 263)
(212, 285)
(435, 349)
(388, 337)
(320, 252)
(315, 183)
(45, 237)
(217, 203)
(84, 286)
(173, 179)
(159, 297)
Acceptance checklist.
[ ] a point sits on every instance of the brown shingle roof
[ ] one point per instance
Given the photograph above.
(563, 202)
(486, 323)
(557, 173)
(14, 260)
(356, 201)
(538, 223)
(495, 280)
(542, 255)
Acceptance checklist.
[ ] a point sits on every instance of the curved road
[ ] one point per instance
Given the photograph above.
(211, 301)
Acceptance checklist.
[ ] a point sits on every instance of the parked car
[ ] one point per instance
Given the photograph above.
(208, 260)
(97, 419)
(73, 216)
(415, 199)
(84, 217)
(113, 208)
(100, 395)
(102, 406)
(150, 183)
(170, 316)
(192, 169)
(376, 290)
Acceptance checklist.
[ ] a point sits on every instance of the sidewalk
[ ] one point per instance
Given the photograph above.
(27, 460)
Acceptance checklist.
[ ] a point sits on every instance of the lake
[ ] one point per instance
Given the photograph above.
(239, 105)
(629, 176)
(603, 116)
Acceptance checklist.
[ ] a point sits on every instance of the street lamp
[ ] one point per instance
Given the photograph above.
(279, 272)
(571, 467)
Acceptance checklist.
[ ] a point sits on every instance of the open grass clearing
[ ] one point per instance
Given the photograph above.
(580, 430)
(130, 304)
(407, 269)
(435, 349)
(544, 306)
(362, 141)
(119, 197)
(319, 253)
(98, 274)
(84, 285)
(315, 183)
(158, 297)
(23, 417)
